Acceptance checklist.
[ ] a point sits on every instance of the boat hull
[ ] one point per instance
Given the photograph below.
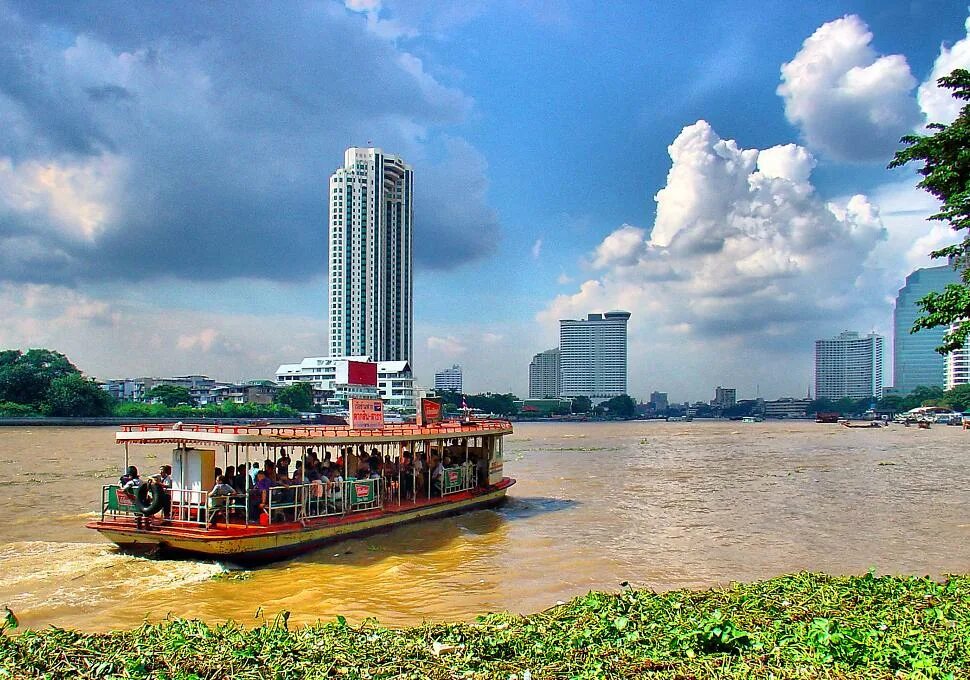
(255, 545)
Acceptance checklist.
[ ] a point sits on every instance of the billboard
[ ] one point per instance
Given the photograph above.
(357, 373)
(429, 413)
(366, 414)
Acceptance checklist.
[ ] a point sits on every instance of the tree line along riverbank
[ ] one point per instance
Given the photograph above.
(803, 625)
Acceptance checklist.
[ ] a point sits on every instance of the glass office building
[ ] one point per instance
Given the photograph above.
(915, 359)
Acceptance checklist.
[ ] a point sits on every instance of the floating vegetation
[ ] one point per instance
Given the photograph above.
(584, 448)
(799, 626)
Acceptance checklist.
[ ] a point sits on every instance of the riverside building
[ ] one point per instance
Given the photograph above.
(448, 379)
(915, 359)
(849, 365)
(544, 375)
(593, 355)
(395, 381)
(371, 279)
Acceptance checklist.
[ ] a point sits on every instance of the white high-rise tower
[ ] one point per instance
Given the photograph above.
(371, 282)
(593, 355)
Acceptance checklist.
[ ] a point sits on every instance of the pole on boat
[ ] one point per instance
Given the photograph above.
(126, 458)
(248, 478)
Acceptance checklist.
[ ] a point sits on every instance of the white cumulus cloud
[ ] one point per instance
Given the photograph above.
(937, 103)
(849, 102)
(743, 253)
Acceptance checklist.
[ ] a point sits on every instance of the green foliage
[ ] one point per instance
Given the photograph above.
(807, 626)
(622, 406)
(76, 396)
(846, 406)
(582, 405)
(9, 409)
(170, 395)
(945, 158)
(957, 399)
(25, 377)
(127, 409)
(298, 396)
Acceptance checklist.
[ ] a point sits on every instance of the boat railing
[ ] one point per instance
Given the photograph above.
(458, 478)
(186, 505)
(323, 499)
(191, 506)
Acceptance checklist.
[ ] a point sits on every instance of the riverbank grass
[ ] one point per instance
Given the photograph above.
(797, 626)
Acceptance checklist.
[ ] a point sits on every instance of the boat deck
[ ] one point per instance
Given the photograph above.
(238, 529)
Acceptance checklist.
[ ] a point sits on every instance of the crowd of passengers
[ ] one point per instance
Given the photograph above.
(413, 475)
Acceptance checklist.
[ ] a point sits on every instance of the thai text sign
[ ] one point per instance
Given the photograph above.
(366, 414)
(429, 413)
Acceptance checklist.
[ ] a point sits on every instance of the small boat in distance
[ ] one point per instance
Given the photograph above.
(346, 482)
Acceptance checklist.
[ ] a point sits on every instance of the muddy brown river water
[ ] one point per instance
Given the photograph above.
(661, 505)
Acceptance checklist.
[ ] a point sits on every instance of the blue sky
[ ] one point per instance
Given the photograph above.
(165, 169)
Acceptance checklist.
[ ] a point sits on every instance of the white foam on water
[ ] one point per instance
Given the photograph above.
(52, 576)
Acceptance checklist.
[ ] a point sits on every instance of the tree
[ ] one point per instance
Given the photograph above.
(945, 155)
(622, 406)
(297, 396)
(25, 377)
(76, 396)
(582, 405)
(170, 395)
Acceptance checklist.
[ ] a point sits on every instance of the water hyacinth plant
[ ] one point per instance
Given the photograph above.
(798, 626)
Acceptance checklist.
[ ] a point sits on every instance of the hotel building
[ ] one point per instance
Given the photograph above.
(849, 365)
(371, 281)
(593, 355)
(448, 379)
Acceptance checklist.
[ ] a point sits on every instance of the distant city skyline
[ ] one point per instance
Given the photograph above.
(165, 207)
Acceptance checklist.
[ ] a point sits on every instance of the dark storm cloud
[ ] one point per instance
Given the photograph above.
(196, 140)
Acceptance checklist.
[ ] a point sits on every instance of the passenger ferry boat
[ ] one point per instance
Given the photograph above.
(260, 525)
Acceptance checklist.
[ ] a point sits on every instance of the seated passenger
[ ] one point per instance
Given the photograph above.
(219, 499)
(335, 492)
(437, 474)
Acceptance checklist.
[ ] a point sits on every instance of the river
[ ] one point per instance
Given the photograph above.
(661, 505)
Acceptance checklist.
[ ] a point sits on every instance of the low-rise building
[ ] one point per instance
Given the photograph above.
(251, 392)
(787, 407)
(395, 381)
(200, 387)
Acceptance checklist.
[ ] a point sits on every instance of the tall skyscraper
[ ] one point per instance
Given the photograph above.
(849, 365)
(593, 355)
(544, 375)
(371, 280)
(448, 379)
(915, 359)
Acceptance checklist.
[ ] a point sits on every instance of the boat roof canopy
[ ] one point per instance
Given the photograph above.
(305, 435)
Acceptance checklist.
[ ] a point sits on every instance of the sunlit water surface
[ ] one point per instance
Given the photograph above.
(663, 505)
